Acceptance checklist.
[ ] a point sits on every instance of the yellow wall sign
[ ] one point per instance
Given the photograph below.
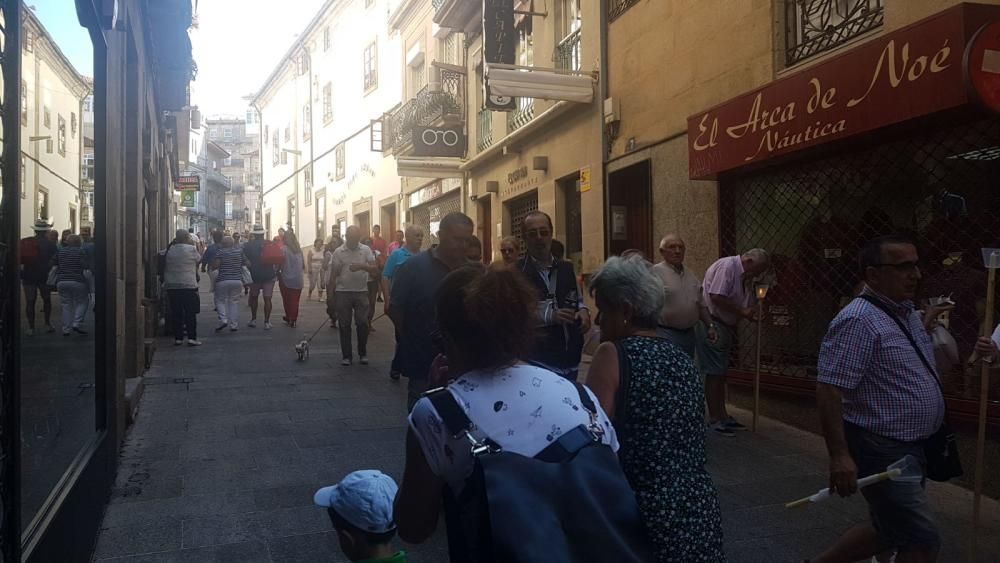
(585, 179)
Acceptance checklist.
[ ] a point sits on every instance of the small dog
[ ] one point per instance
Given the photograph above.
(302, 349)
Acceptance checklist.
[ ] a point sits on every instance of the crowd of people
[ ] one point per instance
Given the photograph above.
(63, 264)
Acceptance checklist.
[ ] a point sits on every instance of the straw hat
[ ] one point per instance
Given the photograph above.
(257, 230)
(41, 225)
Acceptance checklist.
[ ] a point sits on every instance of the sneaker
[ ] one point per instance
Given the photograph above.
(221, 327)
(79, 330)
(252, 323)
(233, 327)
(394, 375)
(65, 332)
(732, 424)
(193, 342)
(721, 429)
(291, 324)
(178, 342)
(345, 362)
(267, 326)
(363, 360)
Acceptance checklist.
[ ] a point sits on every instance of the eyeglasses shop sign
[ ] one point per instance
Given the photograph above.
(909, 73)
(439, 141)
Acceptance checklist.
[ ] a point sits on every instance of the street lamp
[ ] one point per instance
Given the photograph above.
(761, 294)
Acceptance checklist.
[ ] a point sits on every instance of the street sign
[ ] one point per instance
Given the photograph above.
(499, 46)
(191, 182)
(439, 141)
(982, 65)
(187, 198)
(585, 179)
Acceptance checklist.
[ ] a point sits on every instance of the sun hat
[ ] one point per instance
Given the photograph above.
(257, 230)
(41, 225)
(363, 498)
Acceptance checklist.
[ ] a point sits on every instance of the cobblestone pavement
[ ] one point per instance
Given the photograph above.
(233, 438)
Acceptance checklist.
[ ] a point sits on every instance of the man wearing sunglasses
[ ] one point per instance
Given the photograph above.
(562, 316)
(879, 400)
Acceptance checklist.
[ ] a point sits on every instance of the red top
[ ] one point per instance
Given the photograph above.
(379, 245)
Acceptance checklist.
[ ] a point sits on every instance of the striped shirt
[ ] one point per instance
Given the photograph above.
(230, 264)
(887, 389)
(70, 264)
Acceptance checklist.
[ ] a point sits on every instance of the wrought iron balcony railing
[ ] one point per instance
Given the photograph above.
(816, 26)
(485, 130)
(430, 105)
(523, 115)
(567, 55)
(618, 7)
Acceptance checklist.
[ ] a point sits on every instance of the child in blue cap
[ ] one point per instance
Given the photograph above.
(360, 509)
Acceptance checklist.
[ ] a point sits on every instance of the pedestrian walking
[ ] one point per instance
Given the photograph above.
(36, 254)
(228, 263)
(413, 300)
(180, 280)
(314, 267)
(262, 275)
(684, 302)
(728, 294)
(350, 267)
(379, 249)
(508, 250)
(414, 238)
(638, 375)
(486, 324)
(398, 241)
(70, 264)
(562, 317)
(210, 251)
(879, 400)
(331, 288)
(292, 278)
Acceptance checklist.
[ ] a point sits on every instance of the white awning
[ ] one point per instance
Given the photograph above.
(541, 83)
(429, 167)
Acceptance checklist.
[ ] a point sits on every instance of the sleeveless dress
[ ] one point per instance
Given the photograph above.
(663, 452)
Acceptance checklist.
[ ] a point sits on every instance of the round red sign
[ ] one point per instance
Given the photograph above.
(982, 65)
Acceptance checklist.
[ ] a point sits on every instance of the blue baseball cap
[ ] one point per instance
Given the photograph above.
(363, 498)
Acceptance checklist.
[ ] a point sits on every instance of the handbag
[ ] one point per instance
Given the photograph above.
(247, 276)
(569, 503)
(941, 448)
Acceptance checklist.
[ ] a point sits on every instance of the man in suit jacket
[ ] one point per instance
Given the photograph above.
(563, 318)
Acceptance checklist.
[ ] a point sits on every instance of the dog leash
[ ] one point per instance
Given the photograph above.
(328, 320)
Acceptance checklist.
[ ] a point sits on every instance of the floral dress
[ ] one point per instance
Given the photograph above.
(663, 452)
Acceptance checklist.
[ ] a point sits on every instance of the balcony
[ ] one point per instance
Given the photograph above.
(817, 26)
(567, 54)
(521, 116)
(456, 14)
(441, 102)
(485, 130)
(212, 177)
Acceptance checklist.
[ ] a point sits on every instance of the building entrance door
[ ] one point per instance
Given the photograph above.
(630, 210)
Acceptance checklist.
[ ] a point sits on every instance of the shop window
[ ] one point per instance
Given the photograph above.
(936, 187)
(816, 26)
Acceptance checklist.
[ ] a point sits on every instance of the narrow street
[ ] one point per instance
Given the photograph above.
(233, 438)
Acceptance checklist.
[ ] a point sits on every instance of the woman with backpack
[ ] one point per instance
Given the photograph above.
(555, 510)
(292, 278)
(653, 392)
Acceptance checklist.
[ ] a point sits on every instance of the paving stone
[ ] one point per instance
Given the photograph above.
(311, 547)
(149, 537)
(284, 497)
(246, 552)
(151, 511)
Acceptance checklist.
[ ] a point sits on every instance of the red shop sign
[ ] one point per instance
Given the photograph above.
(915, 71)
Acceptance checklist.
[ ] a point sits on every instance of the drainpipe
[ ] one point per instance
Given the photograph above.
(605, 141)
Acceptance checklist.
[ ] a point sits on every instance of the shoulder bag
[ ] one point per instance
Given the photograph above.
(941, 448)
(569, 503)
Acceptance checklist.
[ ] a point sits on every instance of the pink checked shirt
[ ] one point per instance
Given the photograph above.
(725, 277)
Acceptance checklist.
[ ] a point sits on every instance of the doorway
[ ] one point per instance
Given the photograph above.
(571, 219)
(364, 223)
(389, 221)
(630, 210)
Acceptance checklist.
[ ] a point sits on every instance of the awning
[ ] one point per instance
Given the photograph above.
(542, 83)
(429, 167)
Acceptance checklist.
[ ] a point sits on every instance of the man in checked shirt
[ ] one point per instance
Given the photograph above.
(879, 402)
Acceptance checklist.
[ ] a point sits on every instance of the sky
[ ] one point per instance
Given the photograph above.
(59, 19)
(236, 45)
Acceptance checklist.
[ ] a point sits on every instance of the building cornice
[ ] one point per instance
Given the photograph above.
(405, 11)
(43, 44)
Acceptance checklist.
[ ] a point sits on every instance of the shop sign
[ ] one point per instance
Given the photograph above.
(909, 73)
(433, 191)
(439, 141)
(187, 198)
(499, 46)
(585, 179)
(982, 65)
(191, 182)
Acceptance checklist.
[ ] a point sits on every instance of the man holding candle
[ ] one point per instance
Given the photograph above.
(728, 295)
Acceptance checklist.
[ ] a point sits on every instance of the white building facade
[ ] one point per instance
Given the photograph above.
(52, 105)
(318, 169)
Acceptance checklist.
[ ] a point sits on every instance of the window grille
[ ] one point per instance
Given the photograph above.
(816, 26)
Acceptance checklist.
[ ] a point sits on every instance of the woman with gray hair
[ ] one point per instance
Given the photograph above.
(653, 393)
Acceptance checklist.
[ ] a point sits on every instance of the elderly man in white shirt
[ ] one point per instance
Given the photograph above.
(684, 304)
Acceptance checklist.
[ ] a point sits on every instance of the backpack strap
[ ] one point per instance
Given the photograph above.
(458, 423)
